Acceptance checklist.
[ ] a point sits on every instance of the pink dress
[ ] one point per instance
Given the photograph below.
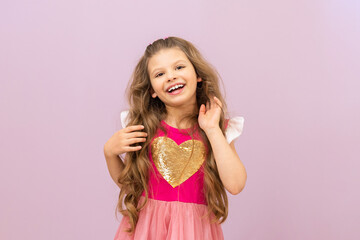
(176, 208)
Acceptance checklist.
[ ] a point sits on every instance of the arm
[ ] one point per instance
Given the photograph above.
(120, 143)
(231, 170)
(115, 165)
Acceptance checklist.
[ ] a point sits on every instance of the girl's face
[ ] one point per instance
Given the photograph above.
(173, 78)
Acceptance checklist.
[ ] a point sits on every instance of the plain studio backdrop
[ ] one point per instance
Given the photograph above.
(290, 68)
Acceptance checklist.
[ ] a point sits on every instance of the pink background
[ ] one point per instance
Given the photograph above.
(290, 68)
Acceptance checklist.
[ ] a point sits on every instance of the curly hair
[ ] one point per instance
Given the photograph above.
(149, 112)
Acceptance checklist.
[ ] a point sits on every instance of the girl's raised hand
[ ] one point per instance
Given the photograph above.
(120, 142)
(209, 117)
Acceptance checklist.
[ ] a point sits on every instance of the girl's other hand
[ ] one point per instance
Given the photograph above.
(120, 142)
(209, 117)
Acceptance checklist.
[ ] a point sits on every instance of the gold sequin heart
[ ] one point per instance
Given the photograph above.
(175, 162)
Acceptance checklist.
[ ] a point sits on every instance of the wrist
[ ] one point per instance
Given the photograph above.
(108, 153)
(112, 157)
(212, 131)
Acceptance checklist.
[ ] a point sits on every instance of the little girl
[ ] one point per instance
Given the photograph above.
(179, 148)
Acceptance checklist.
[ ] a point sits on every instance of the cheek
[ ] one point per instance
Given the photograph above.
(153, 84)
(157, 87)
(190, 75)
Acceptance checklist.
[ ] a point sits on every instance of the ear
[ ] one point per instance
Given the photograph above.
(199, 79)
(153, 93)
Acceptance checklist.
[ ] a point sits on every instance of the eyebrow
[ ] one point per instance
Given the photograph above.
(180, 60)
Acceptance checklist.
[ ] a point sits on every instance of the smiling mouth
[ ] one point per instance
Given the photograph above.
(175, 88)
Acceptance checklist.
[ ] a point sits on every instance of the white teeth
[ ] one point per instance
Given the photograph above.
(175, 87)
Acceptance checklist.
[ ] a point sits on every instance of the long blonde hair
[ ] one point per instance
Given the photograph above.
(149, 112)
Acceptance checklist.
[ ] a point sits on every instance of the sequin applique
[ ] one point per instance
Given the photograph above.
(174, 162)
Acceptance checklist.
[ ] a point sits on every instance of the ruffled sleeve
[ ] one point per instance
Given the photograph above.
(124, 119)
(234, 128)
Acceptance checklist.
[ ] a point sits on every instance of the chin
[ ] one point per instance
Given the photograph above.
(180, 103)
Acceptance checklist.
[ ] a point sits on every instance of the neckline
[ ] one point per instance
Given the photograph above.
(178, 129)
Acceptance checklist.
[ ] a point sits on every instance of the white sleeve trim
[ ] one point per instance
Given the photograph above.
(234, 128)
(123, 118)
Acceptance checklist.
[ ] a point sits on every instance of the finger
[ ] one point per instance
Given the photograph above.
(136, 134)
(212, 102)
(135, 140)
(218, 102)
(202, 110)
(133, 128)
(132, 149)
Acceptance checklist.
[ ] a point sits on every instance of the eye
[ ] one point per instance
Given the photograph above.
(178, 67)
(158, 75)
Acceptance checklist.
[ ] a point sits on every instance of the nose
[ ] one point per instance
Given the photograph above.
(171, 76)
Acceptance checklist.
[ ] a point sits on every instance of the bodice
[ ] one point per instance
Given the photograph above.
(177, 162)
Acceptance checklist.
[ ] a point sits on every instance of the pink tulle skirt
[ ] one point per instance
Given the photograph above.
(162, 220)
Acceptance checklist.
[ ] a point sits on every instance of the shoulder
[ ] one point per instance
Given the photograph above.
(234, 128)
(124, 118)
